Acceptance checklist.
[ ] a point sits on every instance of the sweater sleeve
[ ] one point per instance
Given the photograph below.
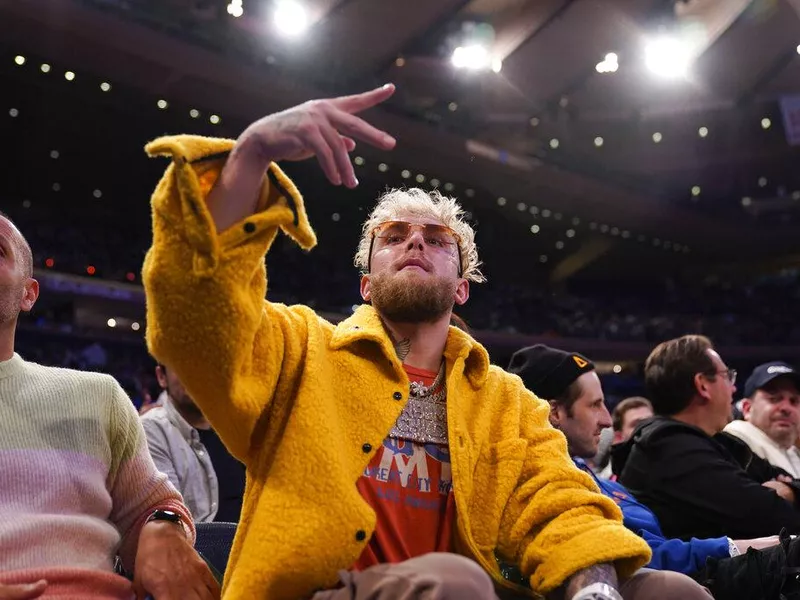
(684, 557)
(556, 521)
(207, 318)
(136, 487)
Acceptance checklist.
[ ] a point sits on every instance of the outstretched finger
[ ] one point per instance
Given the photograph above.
(340, 156)
(358, 102)
(349, 143)
(325, 157)
(358, 128)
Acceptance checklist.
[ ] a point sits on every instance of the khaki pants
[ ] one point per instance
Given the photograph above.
(452, 577)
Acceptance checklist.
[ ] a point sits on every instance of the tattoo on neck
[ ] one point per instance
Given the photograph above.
(603, 573)
(402, 348)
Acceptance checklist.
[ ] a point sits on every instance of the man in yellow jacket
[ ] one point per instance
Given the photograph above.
(382, 451)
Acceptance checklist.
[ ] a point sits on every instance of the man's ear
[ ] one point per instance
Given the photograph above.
(555, 417)
(29, 295)
(366, 296)
(702, 387)
(747, 406)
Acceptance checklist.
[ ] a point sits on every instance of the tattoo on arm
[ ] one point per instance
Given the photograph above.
(402, 348)
(603, 573)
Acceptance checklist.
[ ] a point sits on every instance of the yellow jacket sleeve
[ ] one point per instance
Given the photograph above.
(207, 317)
(557, 522)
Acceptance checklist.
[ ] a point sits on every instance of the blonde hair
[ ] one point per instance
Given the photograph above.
(416, 202)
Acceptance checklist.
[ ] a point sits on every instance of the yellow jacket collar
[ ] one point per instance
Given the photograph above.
(365, 324)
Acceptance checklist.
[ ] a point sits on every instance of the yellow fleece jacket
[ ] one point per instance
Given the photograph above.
(304, 405)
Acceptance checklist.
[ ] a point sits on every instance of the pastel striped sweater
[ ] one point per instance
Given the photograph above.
(76, 481)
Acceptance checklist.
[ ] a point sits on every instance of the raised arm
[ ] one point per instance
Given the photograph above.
(216, 212)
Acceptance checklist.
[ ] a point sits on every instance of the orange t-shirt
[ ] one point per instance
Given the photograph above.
(410, 487)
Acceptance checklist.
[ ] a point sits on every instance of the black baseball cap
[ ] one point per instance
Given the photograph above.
(546, 371)
(765, 373)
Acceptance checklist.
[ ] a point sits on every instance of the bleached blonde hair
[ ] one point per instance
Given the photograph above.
(416, 202)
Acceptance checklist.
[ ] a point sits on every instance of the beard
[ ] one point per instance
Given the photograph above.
(411, 297)
(10, 295)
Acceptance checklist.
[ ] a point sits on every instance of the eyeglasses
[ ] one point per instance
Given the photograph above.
(729, 374)
(438, 237)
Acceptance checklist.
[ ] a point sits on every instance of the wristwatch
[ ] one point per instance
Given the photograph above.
(168, 515)
(597, 591)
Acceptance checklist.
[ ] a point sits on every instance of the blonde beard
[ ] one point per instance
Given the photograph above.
(411, 298)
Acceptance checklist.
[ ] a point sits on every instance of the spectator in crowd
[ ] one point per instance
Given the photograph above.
(78, 484)
(386, 445)
(627, 415)
(185, 447)
(771, 410)
(624, 419)
(577, 408)
(700, 484)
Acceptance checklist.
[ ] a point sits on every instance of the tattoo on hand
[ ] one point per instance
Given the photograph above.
(402, 348)
(603, 573)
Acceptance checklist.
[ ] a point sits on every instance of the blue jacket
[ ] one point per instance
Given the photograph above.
(669, 555)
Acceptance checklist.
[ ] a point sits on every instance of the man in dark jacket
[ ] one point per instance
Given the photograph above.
(698, 483)
(569, 382)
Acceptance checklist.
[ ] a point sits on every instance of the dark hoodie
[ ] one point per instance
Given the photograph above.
(700, 486)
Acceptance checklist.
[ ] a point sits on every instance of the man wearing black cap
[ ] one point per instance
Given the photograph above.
(771, 409)
(569, 382)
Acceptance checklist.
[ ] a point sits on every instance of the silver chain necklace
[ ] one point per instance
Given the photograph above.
(424, 418)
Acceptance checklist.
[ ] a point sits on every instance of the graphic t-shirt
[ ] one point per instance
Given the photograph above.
(409, 485)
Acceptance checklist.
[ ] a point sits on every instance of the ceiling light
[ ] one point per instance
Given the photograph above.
(615, 231)
(497, 65)
(609, 64)
(535, 229)
(112, 323)
(554, 143)
(576, 221)
(657, 137)
(45, 68)
(522, 207)
(214, 119)
(194, 113)
(162, 104)
(400, 61)
(474, 57)
(291, 18)
(617, 369)
(796, 195)
(452, 107)
(105, 86)
(56, 187)
(534, 210)
(420, 177)
(534, 121)
(135, 326)
(766, 123)
(546, 213)
(26, 204)
(702, 132)
(747, 201)
(501, 201)
(335, 217)
(359, 161)
(559, 245)
(762, 182)
(798, 48)
(405, 173)
(383, 167)
(54, 154)
(695, 190)
(469, 192)
(13, 112)
(557, 216)
(435, 183)
(449, 187)
(543, 258)
(626, 234)
(598, 141)
(570, 233)
(69, 75)
(97, 194)
(19, 59)
(604, 228)
(235, 8)
(667, 57)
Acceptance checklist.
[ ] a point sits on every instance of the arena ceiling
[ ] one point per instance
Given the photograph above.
(540, 136)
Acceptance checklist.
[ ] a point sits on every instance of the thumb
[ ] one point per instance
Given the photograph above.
(27, 591)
